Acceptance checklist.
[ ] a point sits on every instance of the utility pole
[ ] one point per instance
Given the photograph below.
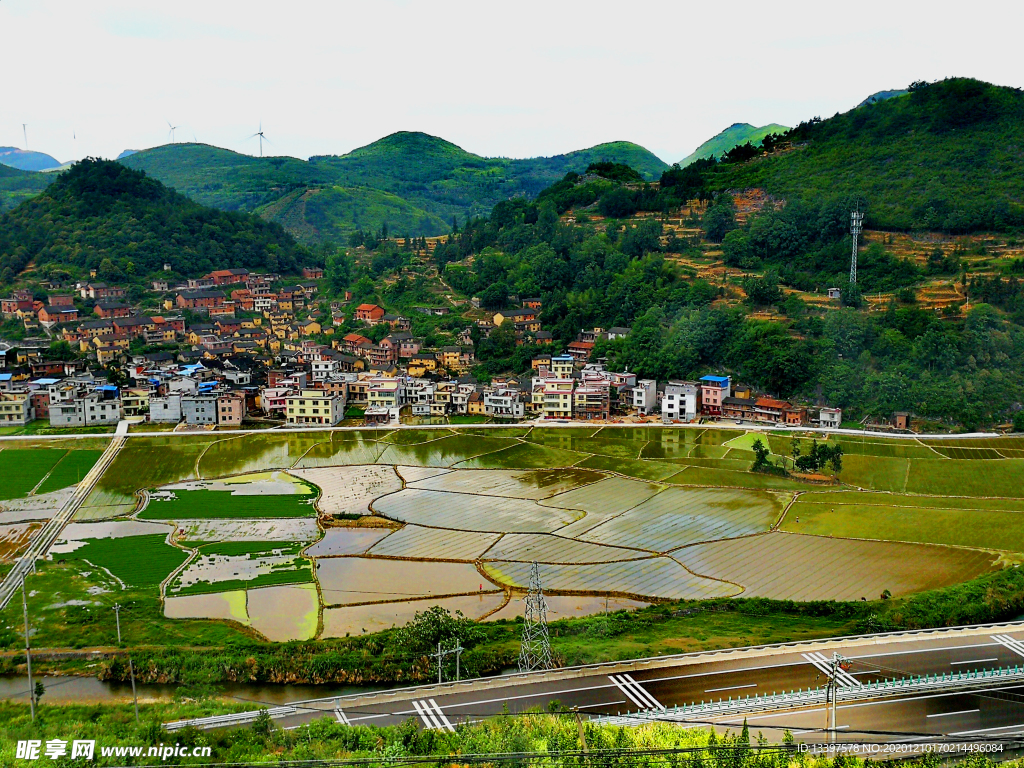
(535, 653)
(131, 667)
(440, 655)
(856, 221)
(135, 696)
(28, 652)
(579, 725)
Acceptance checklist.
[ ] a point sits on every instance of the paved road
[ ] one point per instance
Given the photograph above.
(45, 538)
(671, 681)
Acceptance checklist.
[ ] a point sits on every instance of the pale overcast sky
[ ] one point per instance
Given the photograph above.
(516, 79)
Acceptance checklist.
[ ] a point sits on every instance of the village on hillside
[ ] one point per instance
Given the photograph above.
(253, 353)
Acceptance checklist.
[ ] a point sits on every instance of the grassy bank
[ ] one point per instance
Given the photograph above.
(203, 654)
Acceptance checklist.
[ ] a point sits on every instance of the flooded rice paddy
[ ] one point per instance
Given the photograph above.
(239, 528)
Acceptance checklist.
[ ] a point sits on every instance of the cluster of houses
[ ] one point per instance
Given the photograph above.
(247, 354)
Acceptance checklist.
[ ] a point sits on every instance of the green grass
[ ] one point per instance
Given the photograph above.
(70, 470)
(21, 469)
(713, 477)
(876, 473)
(140, 561)
(297, 571)
(967, 477)
(984, 528)
(208, 504)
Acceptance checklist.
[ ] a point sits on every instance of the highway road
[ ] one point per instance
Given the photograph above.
(658, 684)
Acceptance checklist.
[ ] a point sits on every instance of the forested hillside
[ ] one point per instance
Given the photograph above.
(16, 186)
(947, 156)
(101, 211)
(733, 136)
(602, 264)
(412, 182)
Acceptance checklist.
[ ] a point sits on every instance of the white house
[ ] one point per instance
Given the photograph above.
(680, 401)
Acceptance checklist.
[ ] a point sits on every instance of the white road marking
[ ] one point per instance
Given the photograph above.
(731, 688)
(441, 714)
(1012, 643)
(643, 692)
(341, 716)
(950, 714)
(986, 730)
(427, 716)
(971, 661)
(825, 665)
(629, 694)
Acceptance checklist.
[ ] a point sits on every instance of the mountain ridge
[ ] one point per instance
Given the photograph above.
(733, 136)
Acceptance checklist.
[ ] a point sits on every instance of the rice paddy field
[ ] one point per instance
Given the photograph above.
(297, 535)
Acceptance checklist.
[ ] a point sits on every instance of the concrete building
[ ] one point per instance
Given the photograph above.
(314, 406)
(591, 401)
(713, 390)
(552, 398)
(501, 403)
(16, 409)
(199, 408)
(230, 408)
(680, 401)
(83, 409)
(645, 397)
(830, 418)
(165, 410)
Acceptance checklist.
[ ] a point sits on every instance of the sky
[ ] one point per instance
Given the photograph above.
(512, 79)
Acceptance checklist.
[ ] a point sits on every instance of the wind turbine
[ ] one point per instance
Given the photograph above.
(259, 133)
(173, 129)
(24, 131)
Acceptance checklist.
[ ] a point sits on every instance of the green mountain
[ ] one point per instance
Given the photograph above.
(947, 156)
(733, 136)
(27, 160)
(413, 182)
(102, 215)
(17, 186)
(882, 96)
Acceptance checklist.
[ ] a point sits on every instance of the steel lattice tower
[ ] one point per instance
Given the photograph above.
(536, 648)
(856, 218)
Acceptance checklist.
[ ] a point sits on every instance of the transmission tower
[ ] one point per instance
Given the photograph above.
(856, 219)
(536, 649)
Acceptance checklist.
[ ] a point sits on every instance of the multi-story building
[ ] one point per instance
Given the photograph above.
(680, 401)
(386, 393)
(590, 400)
(553, 397)
(199, 408)
(16, 409)
(830, 418)
(135, 402)
(645, 397)
(502, 403)
(315, 406)
(562, 366)
(230, 408)
(370, 313)
(713, 390)
(53, 314)
(83, 409)
(165, 410)
(200, 300)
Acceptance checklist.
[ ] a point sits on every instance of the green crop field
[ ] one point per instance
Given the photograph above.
(139, 561)
(983, 528)
(21, 469)
(70, 470)
(213, 504)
